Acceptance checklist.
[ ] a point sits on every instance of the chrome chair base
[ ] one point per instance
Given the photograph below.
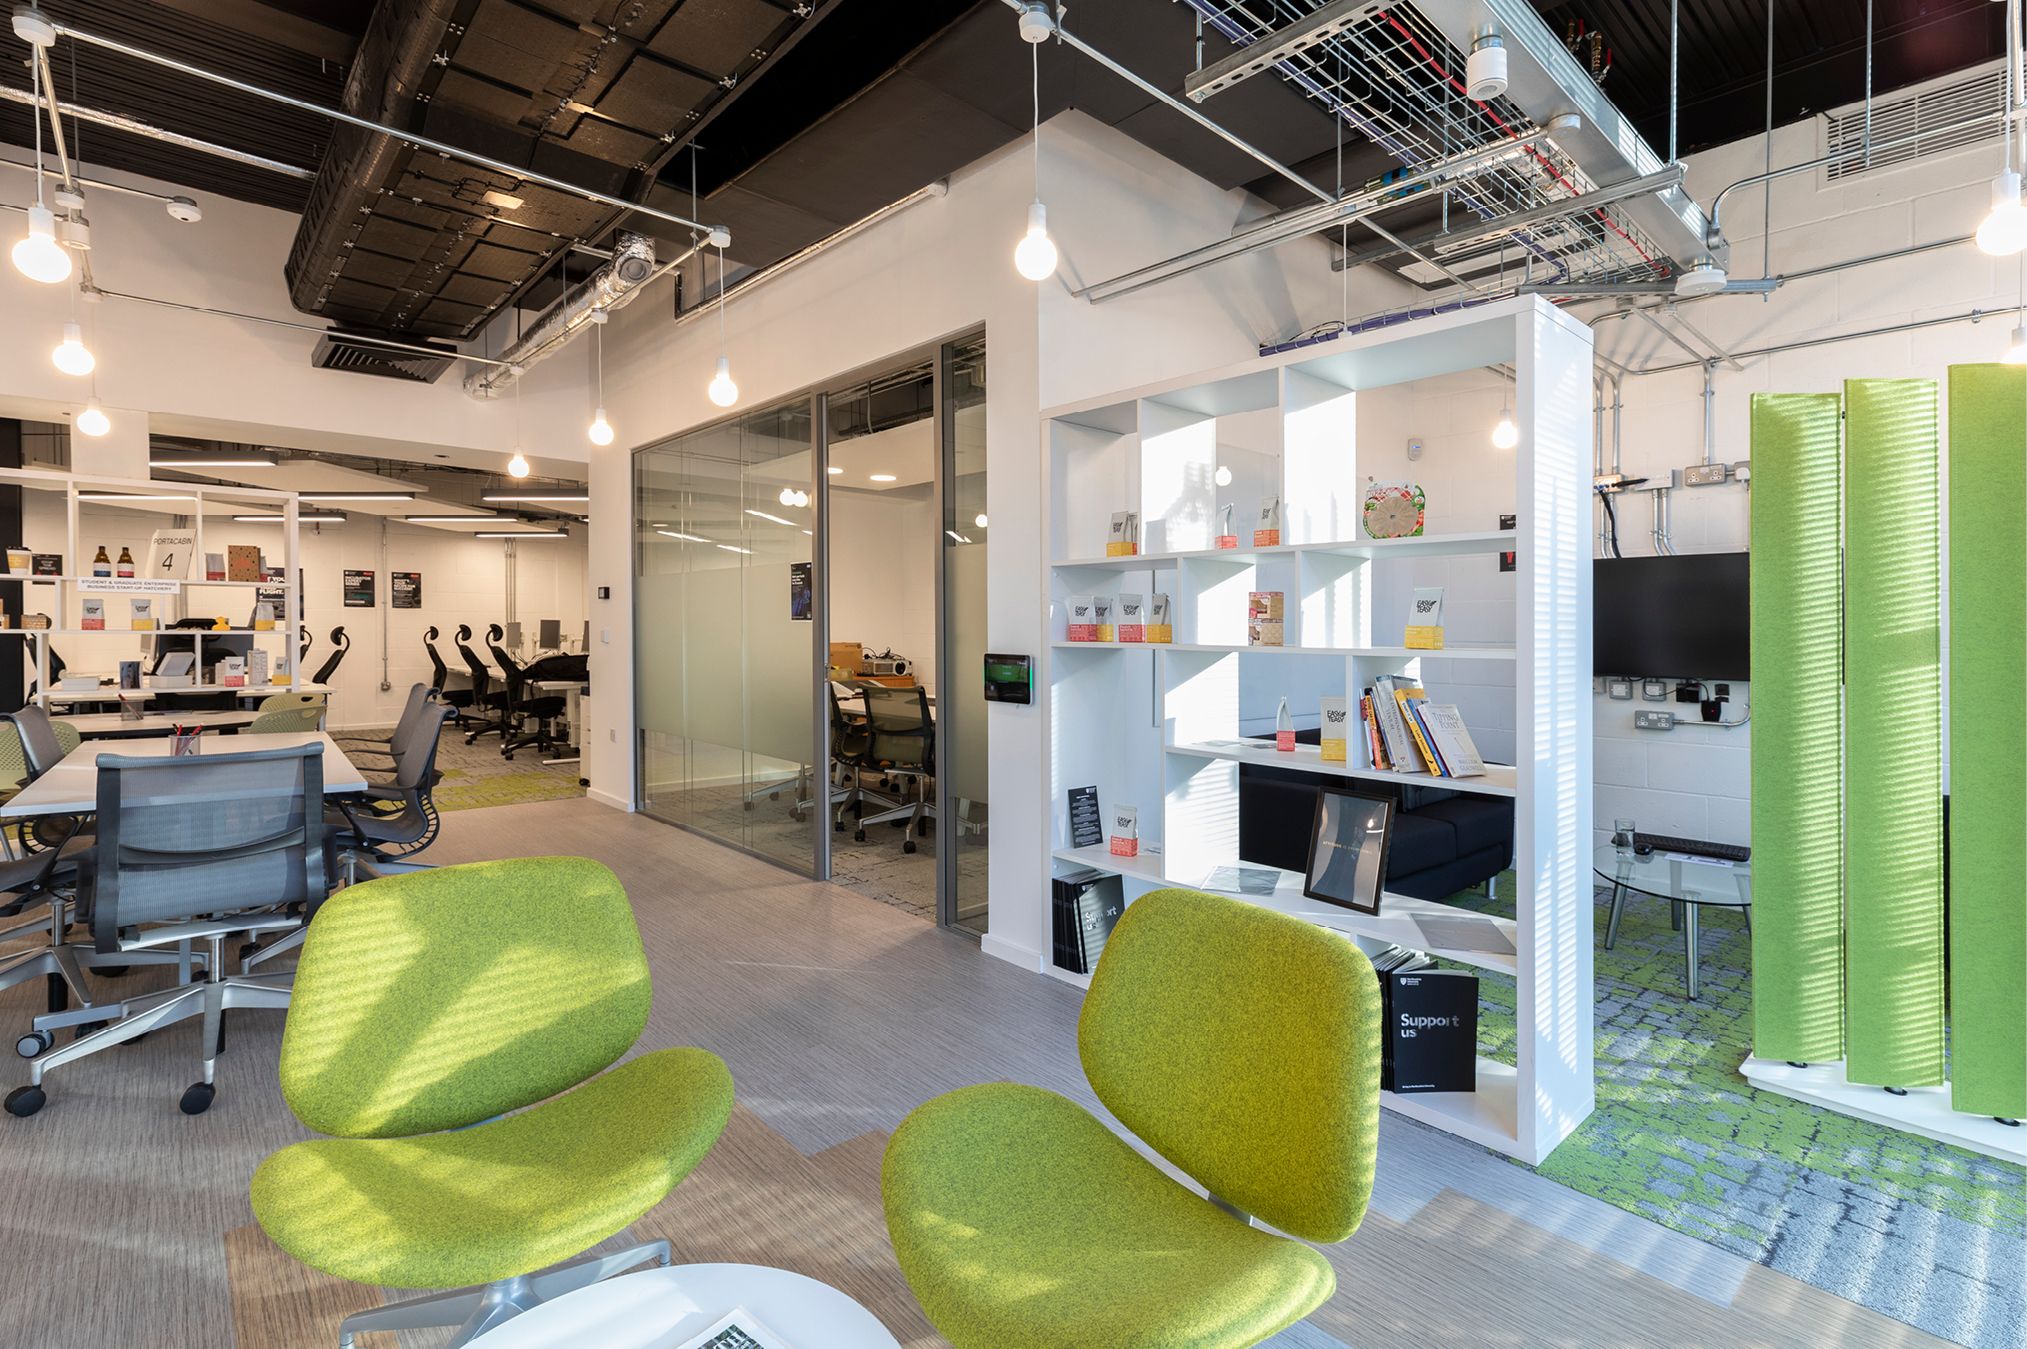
(475, 1311)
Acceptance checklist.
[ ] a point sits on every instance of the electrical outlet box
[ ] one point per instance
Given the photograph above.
(1653, 721)
(1705, 475)
(1414, 447)
(1654, 690)
(1619, 690)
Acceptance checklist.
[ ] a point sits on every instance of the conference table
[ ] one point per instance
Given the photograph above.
(72, 787)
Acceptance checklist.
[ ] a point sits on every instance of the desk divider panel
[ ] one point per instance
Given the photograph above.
(1988, 739)
(1797, 760)
(1893, 1007)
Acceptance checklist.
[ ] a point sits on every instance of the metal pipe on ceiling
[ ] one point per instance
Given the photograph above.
(612, 286)
(388, 343)
(136, 127)
(41, 58)
(1451, 240)
(1801, 344)
(96, 183)
(415, 138)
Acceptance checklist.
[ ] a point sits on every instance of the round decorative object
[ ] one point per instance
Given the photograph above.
(1393, 510)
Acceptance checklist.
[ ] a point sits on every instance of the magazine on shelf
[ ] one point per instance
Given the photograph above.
(1242, 880)
(736, 1329)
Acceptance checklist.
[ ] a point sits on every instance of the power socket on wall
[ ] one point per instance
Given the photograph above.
(1653, 721)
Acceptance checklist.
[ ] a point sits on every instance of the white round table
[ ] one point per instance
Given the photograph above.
(660, 1308)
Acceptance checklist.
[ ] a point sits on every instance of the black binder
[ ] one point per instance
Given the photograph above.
(1087, 903)
(1430, 1038)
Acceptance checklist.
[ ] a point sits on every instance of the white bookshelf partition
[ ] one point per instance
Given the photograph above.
(1169, 728)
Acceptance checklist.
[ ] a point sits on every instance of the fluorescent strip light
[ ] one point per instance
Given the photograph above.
(135, 496)
(538, 494)
(686, 538)
(523, 534)
(747, 552)
(215, 461)
(485, 519)
(956, 537)
(881, 477)
(302, 517)
(833, 469)
(763, 515)
(355, 496)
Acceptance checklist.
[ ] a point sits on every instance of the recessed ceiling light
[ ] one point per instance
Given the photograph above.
(833, 469)
(883, 477)
(775, 518)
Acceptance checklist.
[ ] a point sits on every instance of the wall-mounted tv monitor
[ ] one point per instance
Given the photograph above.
(1681, 617)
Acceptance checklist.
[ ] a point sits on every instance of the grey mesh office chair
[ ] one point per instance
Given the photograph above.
(40, 883)
(195, 849)
(399, 819)
(44, 743)
(904, 748)
(382, 747)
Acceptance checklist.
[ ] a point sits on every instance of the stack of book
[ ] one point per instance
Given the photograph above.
(1406, 733)
(1087, 904)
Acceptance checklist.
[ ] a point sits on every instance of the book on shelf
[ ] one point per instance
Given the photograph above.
(1430, 1042)
(1375, 747)
(1086, 904)
(1445, 728)
(1334, 734)
(1407, 696)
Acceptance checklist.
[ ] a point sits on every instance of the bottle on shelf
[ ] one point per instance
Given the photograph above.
(1284, 730)
(102, 565)
(126, 562)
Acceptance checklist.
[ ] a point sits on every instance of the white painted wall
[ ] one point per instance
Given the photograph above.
(884, 548)
(934, 270)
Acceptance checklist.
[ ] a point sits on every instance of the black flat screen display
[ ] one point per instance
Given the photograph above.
(1678, 617)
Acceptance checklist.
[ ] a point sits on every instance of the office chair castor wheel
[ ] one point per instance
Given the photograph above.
(197, 1098)
(858, 836)
(25, 1101)
(34, 1043)
(908, 845)
(774, 796)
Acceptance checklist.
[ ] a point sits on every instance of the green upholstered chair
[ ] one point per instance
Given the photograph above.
(427, 1008)
(283, 713)
(1240, 1044)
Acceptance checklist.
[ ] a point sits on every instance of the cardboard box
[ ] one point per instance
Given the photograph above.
(847, 656)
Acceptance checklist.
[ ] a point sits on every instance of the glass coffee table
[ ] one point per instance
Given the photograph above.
(661, 1308)
(1687, 884)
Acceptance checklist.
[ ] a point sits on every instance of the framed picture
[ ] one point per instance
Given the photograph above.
(1348, 849)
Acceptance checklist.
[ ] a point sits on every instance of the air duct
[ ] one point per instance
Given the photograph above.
(610, 287)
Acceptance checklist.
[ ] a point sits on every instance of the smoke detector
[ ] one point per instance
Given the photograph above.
(1037, 24)
(1485, 68)
(1705, 278)
(184, 209)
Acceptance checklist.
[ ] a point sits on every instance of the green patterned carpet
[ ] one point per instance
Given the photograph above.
(1928, 1234)
(476, 775)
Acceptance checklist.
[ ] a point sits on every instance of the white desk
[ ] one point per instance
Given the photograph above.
(111, 725)
(72, 787)
(112, 693)
(660, 1308)
(573, 693)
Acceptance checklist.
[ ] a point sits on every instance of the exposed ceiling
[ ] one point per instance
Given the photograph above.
(794, 118)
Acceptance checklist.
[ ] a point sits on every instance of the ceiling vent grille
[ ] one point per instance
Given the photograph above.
(337, 350)
(1910, 115)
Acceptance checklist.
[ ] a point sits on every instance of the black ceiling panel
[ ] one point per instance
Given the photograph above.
(500, 102)
(651, 93)
(514, 45)
(716, 36)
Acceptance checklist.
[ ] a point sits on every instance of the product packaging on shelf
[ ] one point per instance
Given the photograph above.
(1267, 529)
(142, 610)
(94, 616)
(1132, 618)
(1103, 607)
(1160, 627)
(1335, 727)
(1083, 624)
(1125, 839)
(1263, 618)
(1125, 537)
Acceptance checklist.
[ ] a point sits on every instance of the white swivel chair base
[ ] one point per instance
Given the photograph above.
(474, 1311)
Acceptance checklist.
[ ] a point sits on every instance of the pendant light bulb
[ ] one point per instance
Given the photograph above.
(1223, 476)
(93, 421)
(1035, 254)
(1505, 435)
(2004, 229)
(71, 355)
(2016, 350)
(39, 257)
(517, 467)
(722, 390)
(600, 430)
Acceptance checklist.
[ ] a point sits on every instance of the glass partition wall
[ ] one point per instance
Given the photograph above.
(764, 544)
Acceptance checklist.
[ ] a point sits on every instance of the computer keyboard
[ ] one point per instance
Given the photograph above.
(1695, 847)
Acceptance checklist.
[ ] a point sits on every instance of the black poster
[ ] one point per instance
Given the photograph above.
(358, 589)
(801, 597)
(1087, 826)
(404, 589)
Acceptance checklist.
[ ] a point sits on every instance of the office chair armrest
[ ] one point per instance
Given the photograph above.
(170, 933)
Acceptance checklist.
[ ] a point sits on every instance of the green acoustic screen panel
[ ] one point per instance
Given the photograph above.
(1893, 734)
(1797, 760)
(1988, 739)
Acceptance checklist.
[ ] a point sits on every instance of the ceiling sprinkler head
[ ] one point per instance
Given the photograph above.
(184, 209)
(1705, 278)
(1037, 23)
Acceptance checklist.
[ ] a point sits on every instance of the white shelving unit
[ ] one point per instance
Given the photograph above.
(1163, 727)
(59, 595)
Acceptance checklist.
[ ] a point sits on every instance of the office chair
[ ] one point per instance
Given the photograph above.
(519, 983)
(1020, 1220)
(456, 699)
(487, 702)
(904, 748)
(57, 666)
(282, 713)
(851, 746)
(41, 880)
(44, 744)
(302, 645)
(521, 708)
(331, 662)
(399, 819)
(197, 848)
(382, 747)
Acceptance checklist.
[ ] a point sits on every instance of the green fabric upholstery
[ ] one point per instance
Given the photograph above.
(284, 713)
(1272, 1103)
(441, 998)
(1020, 1220)
(1244, 1046)
(504, 1198)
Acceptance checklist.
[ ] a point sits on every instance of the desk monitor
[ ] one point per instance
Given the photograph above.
(551, 634)
(512, 640)
(1348, 849)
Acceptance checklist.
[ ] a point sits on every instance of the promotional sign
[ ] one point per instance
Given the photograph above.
(801, 593)
(358, 589)
(405, 589)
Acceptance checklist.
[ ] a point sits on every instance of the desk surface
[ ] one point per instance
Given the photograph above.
(112, 693)
(107, 724)
(72, 787)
